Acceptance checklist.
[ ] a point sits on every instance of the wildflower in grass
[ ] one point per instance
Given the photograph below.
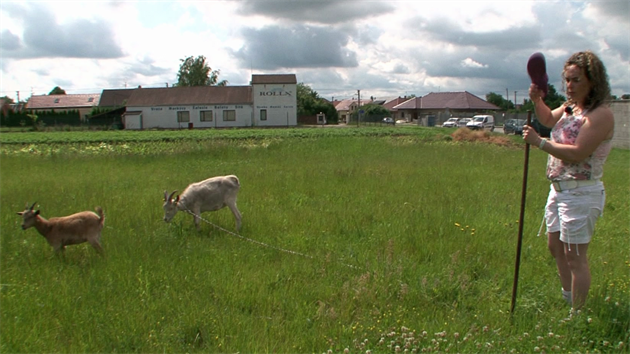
(458, 225)
(620, 345)
(441, 334)
(536, 349)
(589, 320)
(550, 334)
(606, 343)
(456, 335)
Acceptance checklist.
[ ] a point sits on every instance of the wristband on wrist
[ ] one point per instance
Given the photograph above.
(542, 143)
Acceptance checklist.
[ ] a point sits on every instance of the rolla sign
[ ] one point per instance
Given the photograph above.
(276, 92)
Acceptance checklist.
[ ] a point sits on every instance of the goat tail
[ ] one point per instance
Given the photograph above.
(101, 215)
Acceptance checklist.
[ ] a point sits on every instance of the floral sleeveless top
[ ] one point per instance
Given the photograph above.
(566, 131)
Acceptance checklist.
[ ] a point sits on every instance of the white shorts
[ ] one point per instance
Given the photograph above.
(574, 212)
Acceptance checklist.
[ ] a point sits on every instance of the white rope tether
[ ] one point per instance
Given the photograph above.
(258, 242)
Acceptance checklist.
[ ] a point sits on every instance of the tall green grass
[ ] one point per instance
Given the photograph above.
(363, 243)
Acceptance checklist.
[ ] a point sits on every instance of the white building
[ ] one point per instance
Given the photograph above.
(269, 101)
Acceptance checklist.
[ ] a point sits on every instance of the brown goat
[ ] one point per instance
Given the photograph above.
(62, 231)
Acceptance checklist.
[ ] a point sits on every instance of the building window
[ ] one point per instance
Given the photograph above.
(91, 99)
(229, 116)
(205, 116)
(263, 114)
(183, 117)
(56, 100)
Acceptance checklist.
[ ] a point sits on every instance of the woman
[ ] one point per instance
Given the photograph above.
(582, 129)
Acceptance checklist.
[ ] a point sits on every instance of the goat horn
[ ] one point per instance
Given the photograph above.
(32, 206)
(171, 196)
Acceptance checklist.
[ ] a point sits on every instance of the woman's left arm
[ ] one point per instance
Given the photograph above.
(598, 126)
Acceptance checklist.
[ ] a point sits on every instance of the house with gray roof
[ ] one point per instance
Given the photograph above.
(437, 107)
(270, 100)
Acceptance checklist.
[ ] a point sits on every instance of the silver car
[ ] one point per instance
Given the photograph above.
(462, 122)
(450, 123)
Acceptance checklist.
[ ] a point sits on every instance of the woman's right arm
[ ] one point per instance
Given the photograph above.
(545, 115)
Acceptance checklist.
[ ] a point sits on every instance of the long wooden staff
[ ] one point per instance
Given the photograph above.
(520, 219)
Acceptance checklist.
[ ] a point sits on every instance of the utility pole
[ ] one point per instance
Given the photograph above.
(515, 99)
(18, 96)
(359, 107)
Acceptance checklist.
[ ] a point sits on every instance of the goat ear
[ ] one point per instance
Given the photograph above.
(20, 213)
(36, 212)
(177, 199)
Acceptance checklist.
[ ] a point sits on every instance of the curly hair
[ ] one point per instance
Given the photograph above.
(595, 71)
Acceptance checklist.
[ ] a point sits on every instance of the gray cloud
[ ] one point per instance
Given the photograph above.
(316, 11)
(146, 67)
(44, 37)
(619, 10)
(9, 41)
(400, 69)
(297, 46)
(448, 31)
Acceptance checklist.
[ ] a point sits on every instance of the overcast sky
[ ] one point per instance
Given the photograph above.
(383, 48)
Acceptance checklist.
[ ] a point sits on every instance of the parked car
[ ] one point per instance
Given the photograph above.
(388, 120)
(541, 129)
(450, 123)
(514, 126)
(462, 122)
(481, 122)
(401, 121)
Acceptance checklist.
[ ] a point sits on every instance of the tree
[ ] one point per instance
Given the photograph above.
(196, 72)
(57, 91)
(373, 112)
(7, 99)
(553, 100)
(306, 100)
(499, 101)
(309, 104)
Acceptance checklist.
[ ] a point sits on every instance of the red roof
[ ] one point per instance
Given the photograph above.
(450, 100)
(348, 105)
(393, 103)
(63, 101)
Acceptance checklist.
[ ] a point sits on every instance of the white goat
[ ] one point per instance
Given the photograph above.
(209, 195)
(62, 231)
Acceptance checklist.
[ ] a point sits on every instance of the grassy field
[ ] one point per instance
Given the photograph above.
(354, 240)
